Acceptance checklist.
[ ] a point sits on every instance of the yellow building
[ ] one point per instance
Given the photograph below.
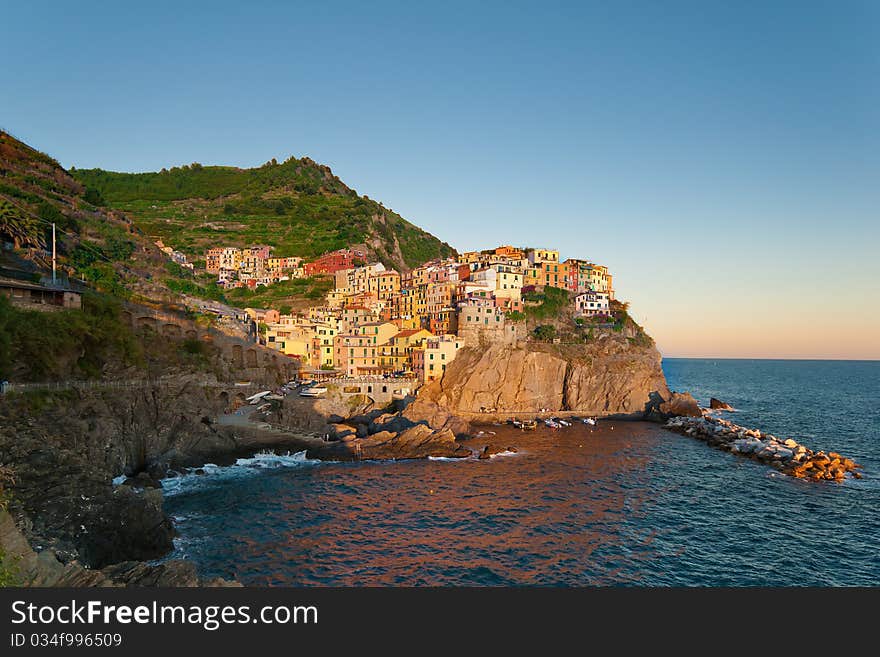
(536, 256)
(396, 355)
(384, 284)
(322, 344)
(290, 340)
(335, 298)
(438, 353)
(358, 351)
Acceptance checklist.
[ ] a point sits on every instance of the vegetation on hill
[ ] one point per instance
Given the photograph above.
(298, 206)
(76, 343)
(547, 304)
(293, 293)
(96, 245)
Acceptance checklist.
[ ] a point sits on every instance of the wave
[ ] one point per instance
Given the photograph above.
(210, 472)
(506, 452)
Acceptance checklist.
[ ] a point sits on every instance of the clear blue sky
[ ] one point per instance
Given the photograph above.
(723, 158)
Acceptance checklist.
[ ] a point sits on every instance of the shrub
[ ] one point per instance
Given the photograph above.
(545, 332)
(93, 196)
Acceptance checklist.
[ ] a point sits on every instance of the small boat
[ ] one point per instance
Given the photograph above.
(313, 391)
(564, 423)
(517, 424)
(529, 425)
(551, 424)
(255, 399)
(589, 420)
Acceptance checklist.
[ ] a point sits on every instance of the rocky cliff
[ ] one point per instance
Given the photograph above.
(609, 376)
(64, 448)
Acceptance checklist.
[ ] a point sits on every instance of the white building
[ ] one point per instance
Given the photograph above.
(592, 303)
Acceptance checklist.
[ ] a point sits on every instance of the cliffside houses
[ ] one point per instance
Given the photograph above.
(176, 256)
(250, 267)
(378, 321)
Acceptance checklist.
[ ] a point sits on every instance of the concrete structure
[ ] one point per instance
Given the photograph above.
(481, 321)
(264, 315)
(23, 293)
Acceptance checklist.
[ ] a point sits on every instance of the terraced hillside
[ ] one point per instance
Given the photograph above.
(298, 206)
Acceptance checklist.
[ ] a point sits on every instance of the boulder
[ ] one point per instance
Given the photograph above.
(718, 405)
(681, 404)
(340, 431)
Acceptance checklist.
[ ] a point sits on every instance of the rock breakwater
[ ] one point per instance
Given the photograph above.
(785, 455)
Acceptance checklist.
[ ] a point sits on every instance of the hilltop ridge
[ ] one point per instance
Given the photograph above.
(298, 206)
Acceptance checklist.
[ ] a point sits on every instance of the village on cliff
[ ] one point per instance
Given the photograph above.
(380, 322)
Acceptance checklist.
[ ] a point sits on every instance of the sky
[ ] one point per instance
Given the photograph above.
(723, 159)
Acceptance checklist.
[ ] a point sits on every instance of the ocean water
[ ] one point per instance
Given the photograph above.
(619, 504)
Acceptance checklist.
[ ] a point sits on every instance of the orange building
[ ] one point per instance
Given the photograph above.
(508, 252)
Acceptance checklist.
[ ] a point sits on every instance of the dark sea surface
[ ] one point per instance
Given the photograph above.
(621, 504)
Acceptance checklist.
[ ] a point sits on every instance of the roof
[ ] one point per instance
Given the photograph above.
(408, 332)
(27, 285)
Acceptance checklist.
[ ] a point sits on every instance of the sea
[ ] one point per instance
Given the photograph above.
(619, 504)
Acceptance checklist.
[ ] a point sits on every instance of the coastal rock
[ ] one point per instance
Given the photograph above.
(604, 378)
(797, 461)
(417, 441)
(718, 405)
(340, 431)
(682, 404)
(44, 569)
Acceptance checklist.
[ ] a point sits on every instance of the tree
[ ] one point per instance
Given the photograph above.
(22, 229)
(93, 196)
(545, 332)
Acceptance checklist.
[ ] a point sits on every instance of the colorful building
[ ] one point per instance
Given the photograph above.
(438, 353)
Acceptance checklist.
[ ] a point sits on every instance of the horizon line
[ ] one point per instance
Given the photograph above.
(811, 358)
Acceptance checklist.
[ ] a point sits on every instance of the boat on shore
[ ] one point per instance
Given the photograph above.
(312, 391)
(529, 425)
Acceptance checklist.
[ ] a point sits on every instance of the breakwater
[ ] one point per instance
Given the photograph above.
(785, 455)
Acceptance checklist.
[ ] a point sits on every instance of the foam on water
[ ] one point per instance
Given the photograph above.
(244, 467)
(506, 452)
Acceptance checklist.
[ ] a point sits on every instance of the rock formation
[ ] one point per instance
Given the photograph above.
(785, 455)
(718, 405)
(25, 567)
(681, 403)
(606, 378)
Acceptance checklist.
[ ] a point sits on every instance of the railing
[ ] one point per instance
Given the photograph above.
(112, 384)
(371, 380)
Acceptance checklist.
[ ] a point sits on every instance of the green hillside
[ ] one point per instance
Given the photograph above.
(98, 246)
(298, 206)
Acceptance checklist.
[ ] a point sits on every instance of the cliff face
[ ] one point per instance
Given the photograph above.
(611, 376)
(64, 449)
